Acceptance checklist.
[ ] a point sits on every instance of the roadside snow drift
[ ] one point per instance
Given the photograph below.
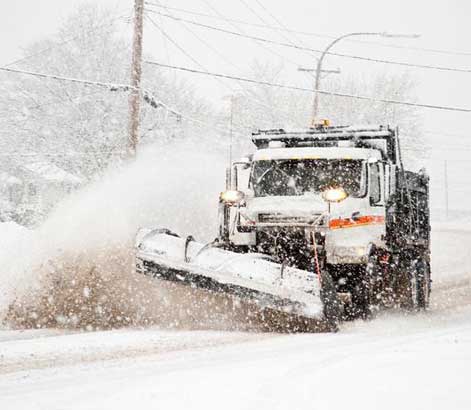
(77, 269)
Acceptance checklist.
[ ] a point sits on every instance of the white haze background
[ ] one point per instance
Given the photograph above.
(180, 167)
(443, 25)
(75, 270)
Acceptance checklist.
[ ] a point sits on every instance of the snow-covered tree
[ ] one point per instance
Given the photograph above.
(83, 128)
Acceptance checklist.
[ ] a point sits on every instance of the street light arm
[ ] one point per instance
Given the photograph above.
(335, 41)
(327, 49)
(315, 105)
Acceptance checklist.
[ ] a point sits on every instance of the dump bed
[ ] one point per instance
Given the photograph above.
(408, 213)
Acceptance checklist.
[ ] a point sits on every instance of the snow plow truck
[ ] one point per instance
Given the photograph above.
(315, 226)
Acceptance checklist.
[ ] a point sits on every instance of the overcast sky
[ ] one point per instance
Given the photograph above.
(443, 25)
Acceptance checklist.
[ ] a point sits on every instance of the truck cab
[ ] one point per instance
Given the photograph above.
(291, 189)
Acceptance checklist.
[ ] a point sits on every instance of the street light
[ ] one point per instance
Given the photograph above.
(315, 105)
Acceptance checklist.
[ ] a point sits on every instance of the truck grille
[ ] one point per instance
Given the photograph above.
(285, 219)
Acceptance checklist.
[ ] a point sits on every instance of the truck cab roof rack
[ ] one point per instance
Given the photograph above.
(378, 137)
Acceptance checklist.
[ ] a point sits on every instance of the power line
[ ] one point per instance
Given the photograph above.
(60, 154)
(165, 42)
(165, 35)
(207, 44)
(186, 53)
(336, 94)
(311, 34)
(279, 22)
(298, 47)
(223, 57)
(218, 17)
(196, 61)
(242, 32)
(147, 95)
(182, 50)
(254, 12)
(112, 86)
(411, 48)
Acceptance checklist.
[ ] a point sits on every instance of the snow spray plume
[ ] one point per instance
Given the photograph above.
(80, 269)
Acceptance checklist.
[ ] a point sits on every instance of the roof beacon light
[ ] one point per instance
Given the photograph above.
(321, 123)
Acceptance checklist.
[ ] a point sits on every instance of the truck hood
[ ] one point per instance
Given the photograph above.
(295, 206)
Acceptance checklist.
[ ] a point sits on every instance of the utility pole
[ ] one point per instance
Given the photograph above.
(445, 170)
(136, 72)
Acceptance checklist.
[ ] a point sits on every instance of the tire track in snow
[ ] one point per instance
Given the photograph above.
(75, 349)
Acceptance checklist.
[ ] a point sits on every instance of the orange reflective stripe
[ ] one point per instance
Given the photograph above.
(361, 221)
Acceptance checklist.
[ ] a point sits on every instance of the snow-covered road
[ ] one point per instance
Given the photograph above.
(416, 362)
(395, 362)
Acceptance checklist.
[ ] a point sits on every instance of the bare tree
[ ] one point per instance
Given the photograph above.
(83, 128)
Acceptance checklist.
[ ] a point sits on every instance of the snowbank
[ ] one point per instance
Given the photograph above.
(15, 245)
(77, 268)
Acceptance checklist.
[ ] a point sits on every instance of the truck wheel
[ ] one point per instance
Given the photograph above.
(359, 305)
(422, 284)
(374, 282)
(331, 303)
(415, 291)
(360, 296)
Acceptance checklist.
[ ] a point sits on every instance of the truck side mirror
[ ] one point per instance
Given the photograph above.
(231, 178)
(228, 178)
(234, 178)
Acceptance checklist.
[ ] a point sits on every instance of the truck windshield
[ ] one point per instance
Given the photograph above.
(299, 177)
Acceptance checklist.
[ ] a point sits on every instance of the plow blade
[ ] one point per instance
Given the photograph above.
(284, 298)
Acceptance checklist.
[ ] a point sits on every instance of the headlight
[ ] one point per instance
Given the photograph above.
(334, 194)
(231, 197)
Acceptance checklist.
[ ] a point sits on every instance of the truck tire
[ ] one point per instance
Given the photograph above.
(374, 282)
(360, 296)
(332, 306)
(422, 282)
(414, 289)
(358, 286)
